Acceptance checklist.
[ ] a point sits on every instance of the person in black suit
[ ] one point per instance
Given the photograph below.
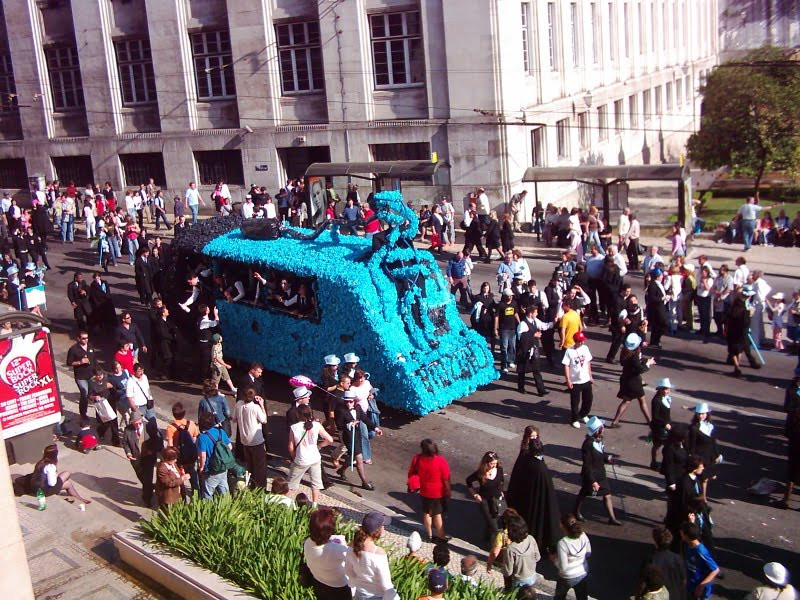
(144, 277)
(78, 295)
(593, 472)
(165, 336)
(656, 308)
(347, 416)
(104, 315)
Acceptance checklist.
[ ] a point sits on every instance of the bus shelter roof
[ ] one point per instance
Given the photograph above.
(595, 174)
(412, 169)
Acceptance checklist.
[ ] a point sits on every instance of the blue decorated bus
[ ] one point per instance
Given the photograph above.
(287, 297)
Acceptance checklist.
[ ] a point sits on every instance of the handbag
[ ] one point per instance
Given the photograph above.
(151, 403)
(413, 482)
(104, 411)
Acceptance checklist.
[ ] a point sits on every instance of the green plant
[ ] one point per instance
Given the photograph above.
(258, 546)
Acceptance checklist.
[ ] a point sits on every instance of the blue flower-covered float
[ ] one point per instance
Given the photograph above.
(380, 298)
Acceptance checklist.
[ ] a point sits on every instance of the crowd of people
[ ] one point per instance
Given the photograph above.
(185, 458)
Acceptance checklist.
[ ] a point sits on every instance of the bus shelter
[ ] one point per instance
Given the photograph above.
(605, 177)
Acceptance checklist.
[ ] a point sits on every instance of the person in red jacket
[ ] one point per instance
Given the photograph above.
(434, 487)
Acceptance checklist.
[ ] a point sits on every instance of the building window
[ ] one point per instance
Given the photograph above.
(213, 65)
(678, 92)
(397, 53)
(13, 174)
(653, 32)
(583, 130)
(412, 151)
(664, 24)
(551, 33)
(300, 54)
(574, 28)
(657, 93)
(646, 105)
(602, 122)
(77, 169)
(668, 95)
(627, 25)
(619, 123)
(139, 168)
(612, 33)
(562, 138)
(633, 109)
(642, 42)
(596, 40)
(674, 23)
(537, 147)
(136, 77)
(526, 62)
(214, 165)
(8, 88)
(65, 77)
(687, 91)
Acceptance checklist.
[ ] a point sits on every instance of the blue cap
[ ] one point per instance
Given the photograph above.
(702, 408)
(437, 581)
(373, 521)
(656, 272)
(593, 424)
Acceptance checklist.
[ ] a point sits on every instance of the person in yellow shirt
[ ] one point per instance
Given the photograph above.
(570, 325)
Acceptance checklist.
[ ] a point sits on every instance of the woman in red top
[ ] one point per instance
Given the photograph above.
(434, 487)
(124, 357)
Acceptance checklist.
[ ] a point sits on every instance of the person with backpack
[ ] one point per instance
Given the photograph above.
(215, 457)
(215, 404)
(182, 435)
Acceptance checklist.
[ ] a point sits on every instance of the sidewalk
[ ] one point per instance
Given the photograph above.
(71, 552)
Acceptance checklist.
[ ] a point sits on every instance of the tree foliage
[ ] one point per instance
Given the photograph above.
(751, 116)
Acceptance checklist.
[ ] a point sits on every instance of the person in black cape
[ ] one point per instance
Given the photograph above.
(531, 493)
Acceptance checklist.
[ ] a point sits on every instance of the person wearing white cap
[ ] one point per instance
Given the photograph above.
(630, 380)
(349, 416)
(350, 363)
(661, 421)
(703, 443)
(14, 289)
(777, 585)
(776, 312)
(302, 397)
(593, 472)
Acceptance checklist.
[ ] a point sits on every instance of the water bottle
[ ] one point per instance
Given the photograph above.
(40, 499)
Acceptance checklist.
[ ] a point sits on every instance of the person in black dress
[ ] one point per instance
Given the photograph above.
(507, 234)
(489, 492)
(593, 472)
(690, 486)
(103, 314)
(348, 414)
(493, 239)
(736, 326)
(703, 443)
(661, 421)
(482, 317)
(531, 492)
(630, 380)
(656, 308)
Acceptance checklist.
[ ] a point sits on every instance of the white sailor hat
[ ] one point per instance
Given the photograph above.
(702, 408)
(332, 359)
(349, 394)
(12, 271)
(351, 357)
(664, 383)
(593, 425)
(301, 392)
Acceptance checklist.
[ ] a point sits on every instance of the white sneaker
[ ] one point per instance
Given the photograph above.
(504, 371)
(585, 419)
(512, 366)
(576, 425)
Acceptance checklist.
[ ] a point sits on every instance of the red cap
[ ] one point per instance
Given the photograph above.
(579, 337)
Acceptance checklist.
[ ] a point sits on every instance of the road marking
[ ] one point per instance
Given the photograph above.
(479, 425)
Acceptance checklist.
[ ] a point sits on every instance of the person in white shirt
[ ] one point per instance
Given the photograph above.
(449, 217)
(571, 558)
(249, 415)
(632, 243)
(138, 392)
(623, 226)
(742, 272)
(618, 260)
(762, 290)
(224, 191)
(367, 565)
(577, 363)
(88, 216)
(325, 555)
(268, 209)
(304, 446)
(192, 200)
(749, 213)
(248, 207)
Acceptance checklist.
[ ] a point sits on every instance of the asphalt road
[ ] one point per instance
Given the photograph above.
(747, 413)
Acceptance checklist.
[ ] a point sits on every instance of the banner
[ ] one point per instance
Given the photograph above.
(35, 296)
(28, 388)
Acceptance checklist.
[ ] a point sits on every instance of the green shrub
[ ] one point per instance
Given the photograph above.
(259, 545)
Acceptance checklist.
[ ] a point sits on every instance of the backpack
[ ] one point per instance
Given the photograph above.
(187, 449)
(222, 458)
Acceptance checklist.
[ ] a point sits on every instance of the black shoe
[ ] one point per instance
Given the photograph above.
(655, 465)
(368, 486)
(615, 522)
(521, 390)
(610, 361)
(580, 517)
(341, 471)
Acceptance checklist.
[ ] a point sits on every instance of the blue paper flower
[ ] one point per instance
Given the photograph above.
(391, 307)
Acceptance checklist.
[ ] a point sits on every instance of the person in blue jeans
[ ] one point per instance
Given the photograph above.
(210, 483)
(701, 568)
(505, 328)
(748, 214)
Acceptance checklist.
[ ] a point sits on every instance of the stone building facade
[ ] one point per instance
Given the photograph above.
(255, 90)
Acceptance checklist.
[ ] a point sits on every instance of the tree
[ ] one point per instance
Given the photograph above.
(751, 118)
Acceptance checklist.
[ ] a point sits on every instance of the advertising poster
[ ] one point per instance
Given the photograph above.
(28, 388)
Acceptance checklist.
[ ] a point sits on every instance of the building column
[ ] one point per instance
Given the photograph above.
(172, 65)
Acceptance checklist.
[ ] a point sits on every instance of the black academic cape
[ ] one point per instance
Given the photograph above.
(531, 493)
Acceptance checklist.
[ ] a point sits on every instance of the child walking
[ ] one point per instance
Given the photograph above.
(778, 308)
